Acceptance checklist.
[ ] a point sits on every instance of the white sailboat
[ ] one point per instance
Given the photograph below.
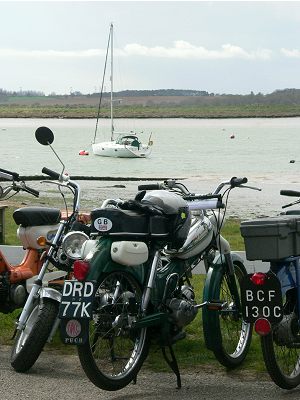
(124, 145)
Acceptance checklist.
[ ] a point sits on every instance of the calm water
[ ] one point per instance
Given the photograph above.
(199, 150)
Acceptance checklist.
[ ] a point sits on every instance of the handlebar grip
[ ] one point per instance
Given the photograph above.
(32, 191)
(292, 193)
(207, 204)
(15, 175)
(150, 186)
(51, 173)
(234, 181)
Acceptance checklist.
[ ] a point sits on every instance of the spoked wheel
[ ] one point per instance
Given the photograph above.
(234, 334)
(30, 341)
(114, 353)
(281, 349)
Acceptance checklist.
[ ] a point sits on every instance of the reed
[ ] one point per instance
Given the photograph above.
(154, 111)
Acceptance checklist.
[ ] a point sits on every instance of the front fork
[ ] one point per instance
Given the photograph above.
(150, 284)
(34, 293)
(225, 252)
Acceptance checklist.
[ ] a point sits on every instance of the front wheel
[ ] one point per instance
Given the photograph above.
(30, 341)
(114, 352)
(225, 329)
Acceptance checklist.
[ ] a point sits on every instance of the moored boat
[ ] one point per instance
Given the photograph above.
(126, 145)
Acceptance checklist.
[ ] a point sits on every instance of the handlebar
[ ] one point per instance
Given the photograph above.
(291, 193)
(30, 190)
(150, 186)
(172, 184)
(4, 173)
(64, 180)
(235, 182)
(15, 186)
(199, 201)
(49, 172)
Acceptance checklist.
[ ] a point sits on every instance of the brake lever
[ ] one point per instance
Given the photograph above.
(250, 187)
(57, 183)
(291, 204)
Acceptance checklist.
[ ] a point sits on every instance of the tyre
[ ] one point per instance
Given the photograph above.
(30, 341)
(233, 334)
(114, 353)
(281, 348)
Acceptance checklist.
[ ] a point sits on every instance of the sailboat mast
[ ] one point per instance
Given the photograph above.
(111, 82)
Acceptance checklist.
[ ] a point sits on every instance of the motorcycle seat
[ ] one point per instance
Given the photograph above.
(36, 216)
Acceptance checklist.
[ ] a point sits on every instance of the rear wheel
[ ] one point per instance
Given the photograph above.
(30, 341)
(234, 335)
(114, 353)
(281, 348)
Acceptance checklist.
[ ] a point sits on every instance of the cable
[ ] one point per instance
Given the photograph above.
(101, 93)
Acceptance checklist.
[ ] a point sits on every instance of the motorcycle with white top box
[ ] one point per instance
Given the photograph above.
(272, 300)
(38, 320)
(140, 264)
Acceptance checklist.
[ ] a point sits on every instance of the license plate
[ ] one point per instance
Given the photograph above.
(261, 301)
(77, 300)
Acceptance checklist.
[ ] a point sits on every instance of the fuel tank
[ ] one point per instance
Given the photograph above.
(199, 237)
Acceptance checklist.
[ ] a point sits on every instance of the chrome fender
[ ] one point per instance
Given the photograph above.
(50, 293)
(235, 258)
(49, 276)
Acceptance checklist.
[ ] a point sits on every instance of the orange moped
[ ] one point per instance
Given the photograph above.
(33, 222)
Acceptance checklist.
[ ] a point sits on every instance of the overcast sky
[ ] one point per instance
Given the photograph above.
(217, 46)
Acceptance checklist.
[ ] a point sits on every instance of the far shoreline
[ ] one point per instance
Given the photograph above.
(83, 111)
(39, 116)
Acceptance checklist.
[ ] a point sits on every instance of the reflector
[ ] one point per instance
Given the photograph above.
(262, 327)
(258, 278)
(80, 269)
(41, 241)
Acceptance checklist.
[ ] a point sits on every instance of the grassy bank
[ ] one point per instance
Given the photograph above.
(155, 111)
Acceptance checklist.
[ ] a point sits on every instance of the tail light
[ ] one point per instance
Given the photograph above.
(262, 327)
(80, 269)
(259, 278)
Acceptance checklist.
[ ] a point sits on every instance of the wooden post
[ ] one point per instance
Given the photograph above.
(2, 223)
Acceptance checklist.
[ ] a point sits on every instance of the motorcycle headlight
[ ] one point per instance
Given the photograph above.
(72, 244)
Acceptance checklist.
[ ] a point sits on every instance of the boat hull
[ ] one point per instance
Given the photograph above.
(112, 149)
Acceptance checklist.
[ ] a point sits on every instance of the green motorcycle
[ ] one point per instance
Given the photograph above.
(132, 282)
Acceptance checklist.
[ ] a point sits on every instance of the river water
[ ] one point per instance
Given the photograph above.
(200, 151)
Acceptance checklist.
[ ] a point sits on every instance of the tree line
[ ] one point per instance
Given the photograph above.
(189, 97)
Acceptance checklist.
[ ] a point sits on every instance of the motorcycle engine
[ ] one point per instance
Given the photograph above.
(182, 307)
(11, 296)
(4, 288)
(286, 333)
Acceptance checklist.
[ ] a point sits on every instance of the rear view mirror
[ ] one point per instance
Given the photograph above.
(44, 135)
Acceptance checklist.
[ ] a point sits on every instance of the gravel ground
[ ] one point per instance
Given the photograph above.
(57, 376)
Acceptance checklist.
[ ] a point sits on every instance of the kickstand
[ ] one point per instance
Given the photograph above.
(134, 380)
(172, 363)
